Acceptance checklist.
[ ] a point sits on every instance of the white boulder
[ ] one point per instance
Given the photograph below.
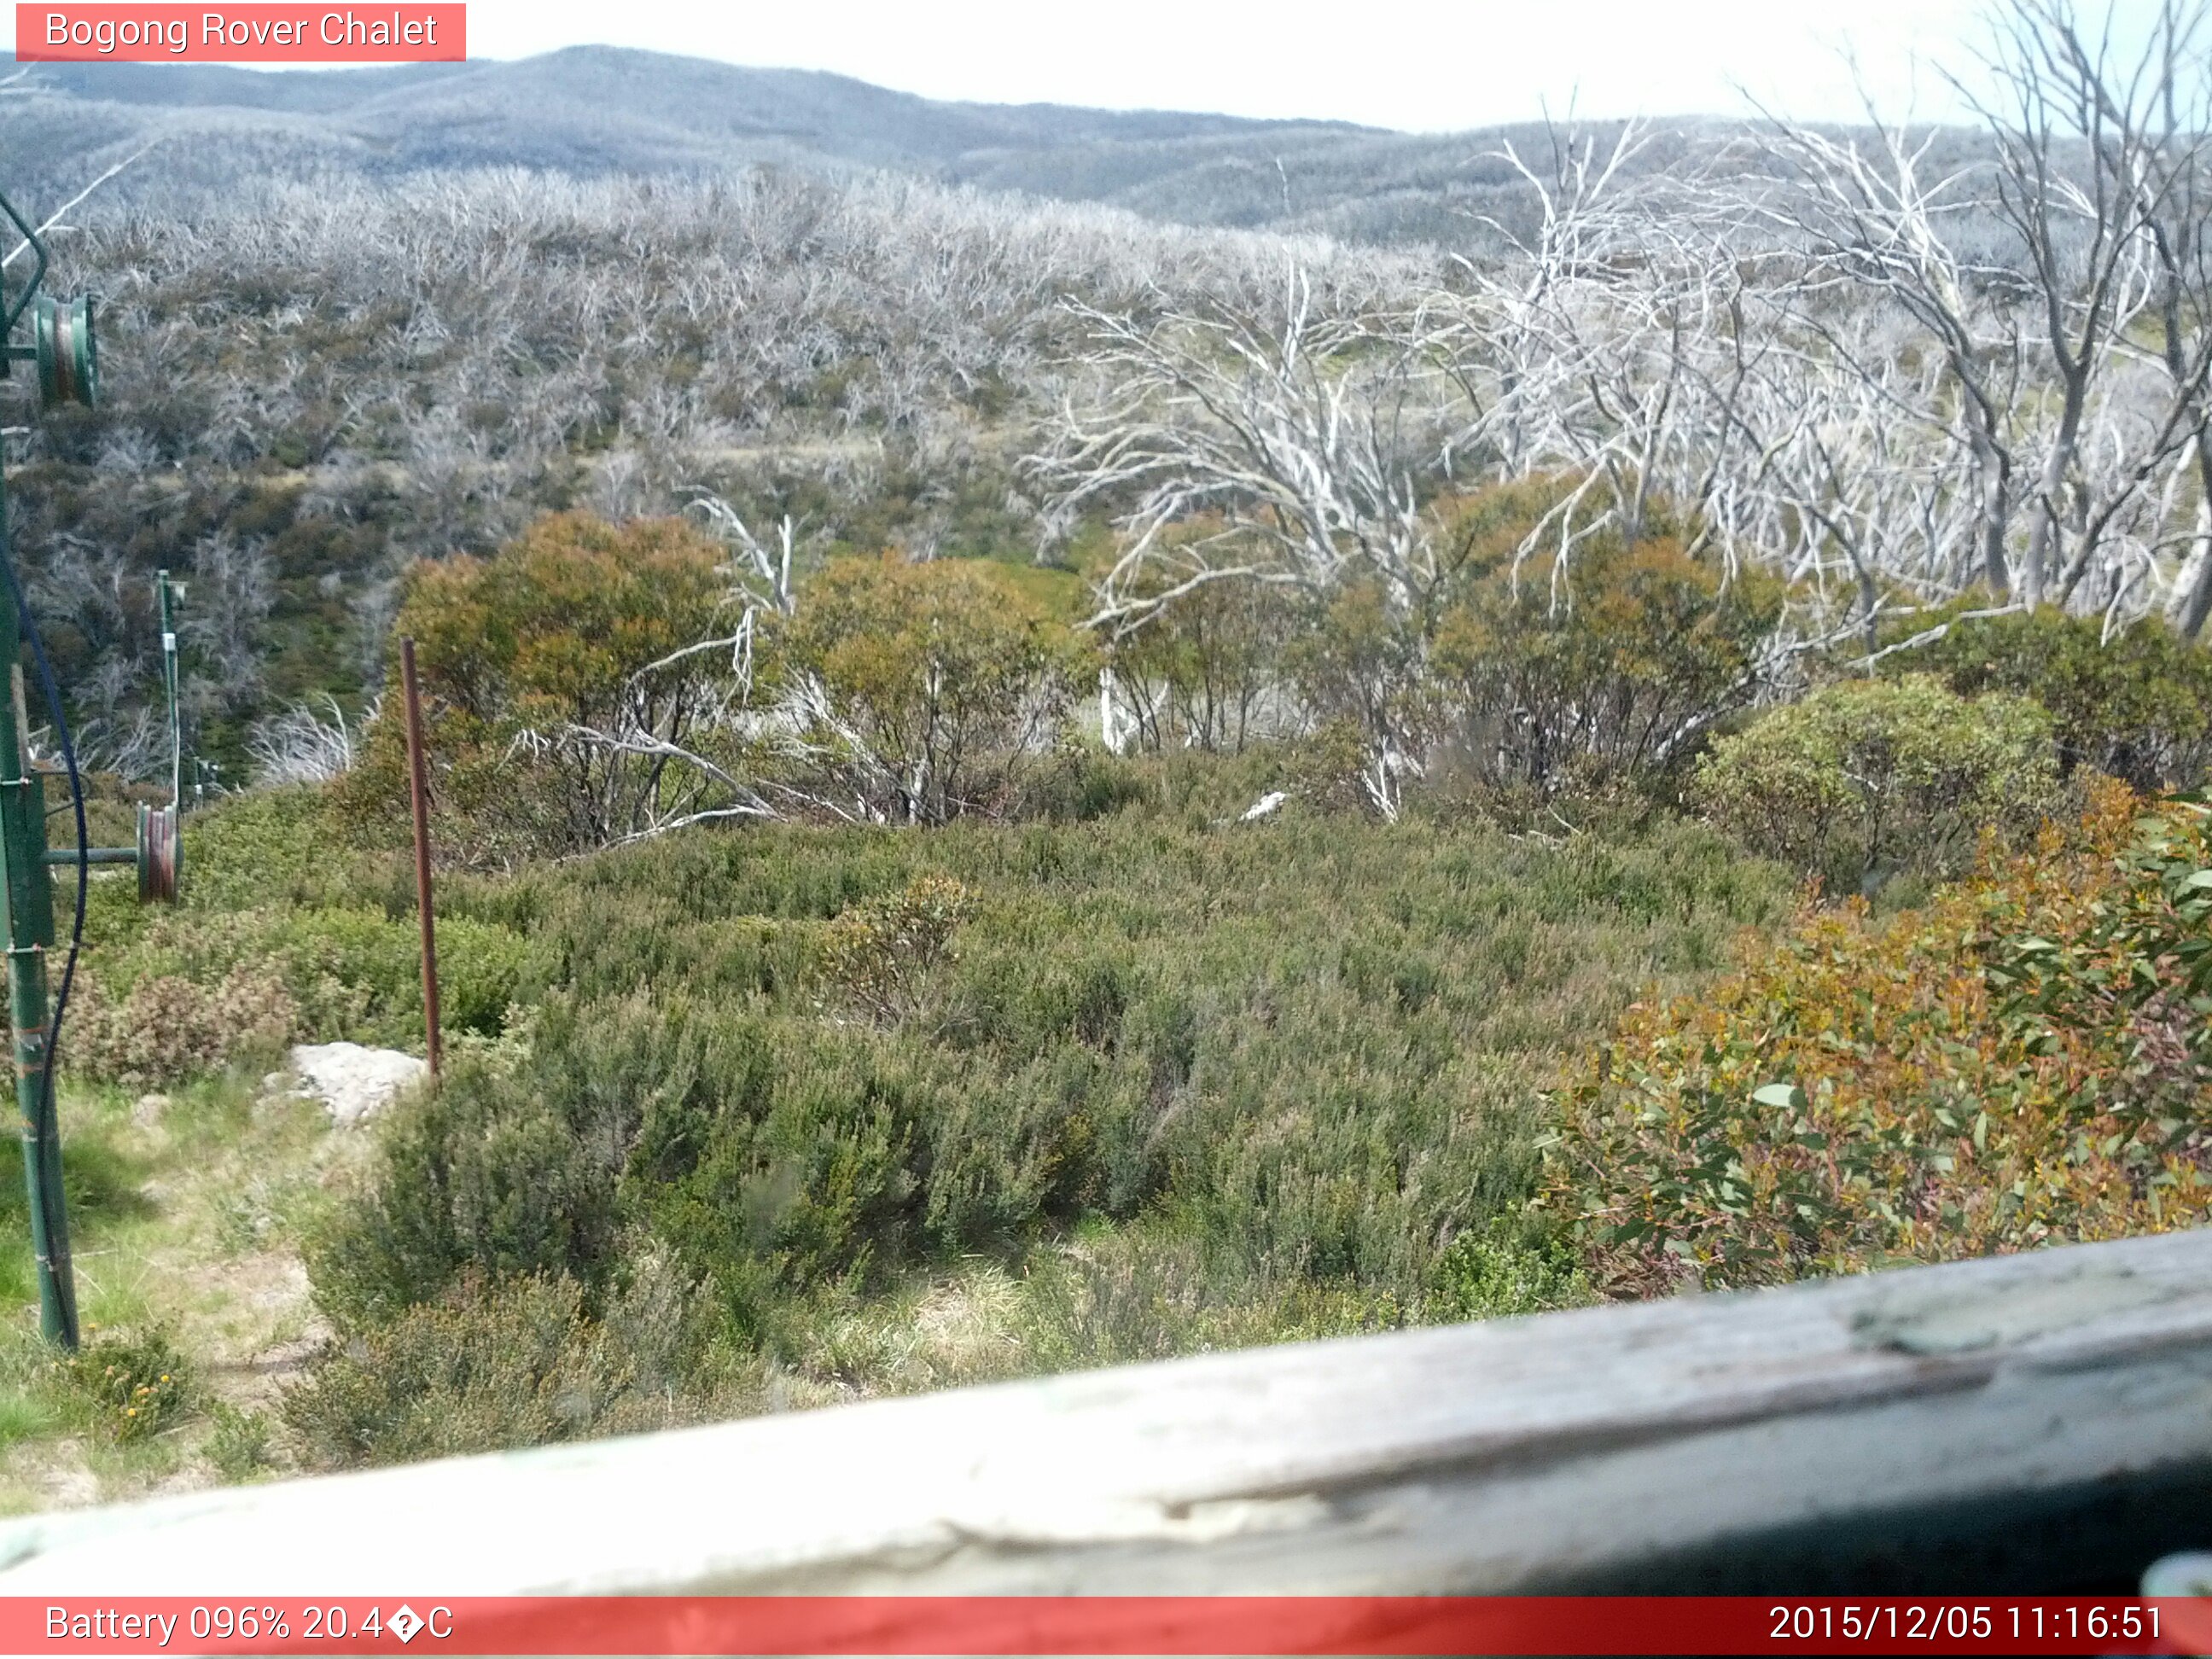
(1266, 804)
(354, 1081)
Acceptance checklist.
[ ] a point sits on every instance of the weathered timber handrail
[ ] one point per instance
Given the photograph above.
(2035, 1421)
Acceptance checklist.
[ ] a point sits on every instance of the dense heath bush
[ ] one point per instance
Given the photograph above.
(2027, 1061)
(517, 1361)
(169, 1028)
(128, 1386)
(1621, 662)
(272, 848)
(286, 932)
(1507, 1269)
(537, 665)
(928, 690)
(882, 954)
(1181, 1083)
(1865, 778)
(323, 974)
(2134, 704)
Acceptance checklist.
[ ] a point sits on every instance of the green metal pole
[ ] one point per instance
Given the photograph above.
(28, 895)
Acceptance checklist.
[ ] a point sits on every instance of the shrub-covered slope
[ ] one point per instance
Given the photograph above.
(867, 1108)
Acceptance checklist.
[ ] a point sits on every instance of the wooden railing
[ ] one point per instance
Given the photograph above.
(2039, 1422)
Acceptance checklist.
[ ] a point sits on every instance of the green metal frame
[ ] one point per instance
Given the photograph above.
(64, 350)
(28, 893)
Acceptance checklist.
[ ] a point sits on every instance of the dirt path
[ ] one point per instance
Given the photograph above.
(224, 1180)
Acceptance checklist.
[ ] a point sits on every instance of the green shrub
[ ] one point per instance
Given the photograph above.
(1326, 769)
(2026, 1061)
(940, 682)
(771, 1153)
(271, 848)
(487, 1175)
(350, 973)
(166, 1029)
(1618, 661)
(1167, 1285)
(1499, 1274)
(133, 1386)
(241, 1443)
(285, 933)
(1360, 675)
(516, 1363)
(1076, 783)
(778, 1155)
(1207, 671)
(882, 954)
(576, 626)
(1866, 777)
(2137, 705)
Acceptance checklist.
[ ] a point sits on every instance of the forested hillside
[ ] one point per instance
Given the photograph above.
(308, 388)
(597, 111)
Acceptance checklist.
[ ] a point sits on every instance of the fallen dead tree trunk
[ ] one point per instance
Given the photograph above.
(2039, 1421)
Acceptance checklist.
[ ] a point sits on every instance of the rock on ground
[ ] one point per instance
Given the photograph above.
(1266, 804)
(353, 1081)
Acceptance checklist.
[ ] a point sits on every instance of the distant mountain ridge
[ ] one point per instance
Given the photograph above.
(592, 110)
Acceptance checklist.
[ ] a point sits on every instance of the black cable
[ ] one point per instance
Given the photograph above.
(44, 1127)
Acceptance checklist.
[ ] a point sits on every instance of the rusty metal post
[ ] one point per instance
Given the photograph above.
(419, 785)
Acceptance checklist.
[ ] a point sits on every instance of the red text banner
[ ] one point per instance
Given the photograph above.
(1103, 1625)
(259, 33)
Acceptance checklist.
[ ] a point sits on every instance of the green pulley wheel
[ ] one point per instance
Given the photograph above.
(68, 357)
(161, 854)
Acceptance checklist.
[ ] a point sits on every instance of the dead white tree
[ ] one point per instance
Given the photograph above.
(299, 745)
(2157, 118)
(761, 579)
(1585, 337)
(1284, 446)
(2070, 121)
(1293, 446)
(1851, 489)
(1877, 219)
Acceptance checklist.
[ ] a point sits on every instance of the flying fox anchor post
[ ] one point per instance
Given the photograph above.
(62, 351)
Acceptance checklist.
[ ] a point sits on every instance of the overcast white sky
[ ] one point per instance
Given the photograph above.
(1420, 65)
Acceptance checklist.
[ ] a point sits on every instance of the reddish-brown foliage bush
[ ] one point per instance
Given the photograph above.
(2026, 1060)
